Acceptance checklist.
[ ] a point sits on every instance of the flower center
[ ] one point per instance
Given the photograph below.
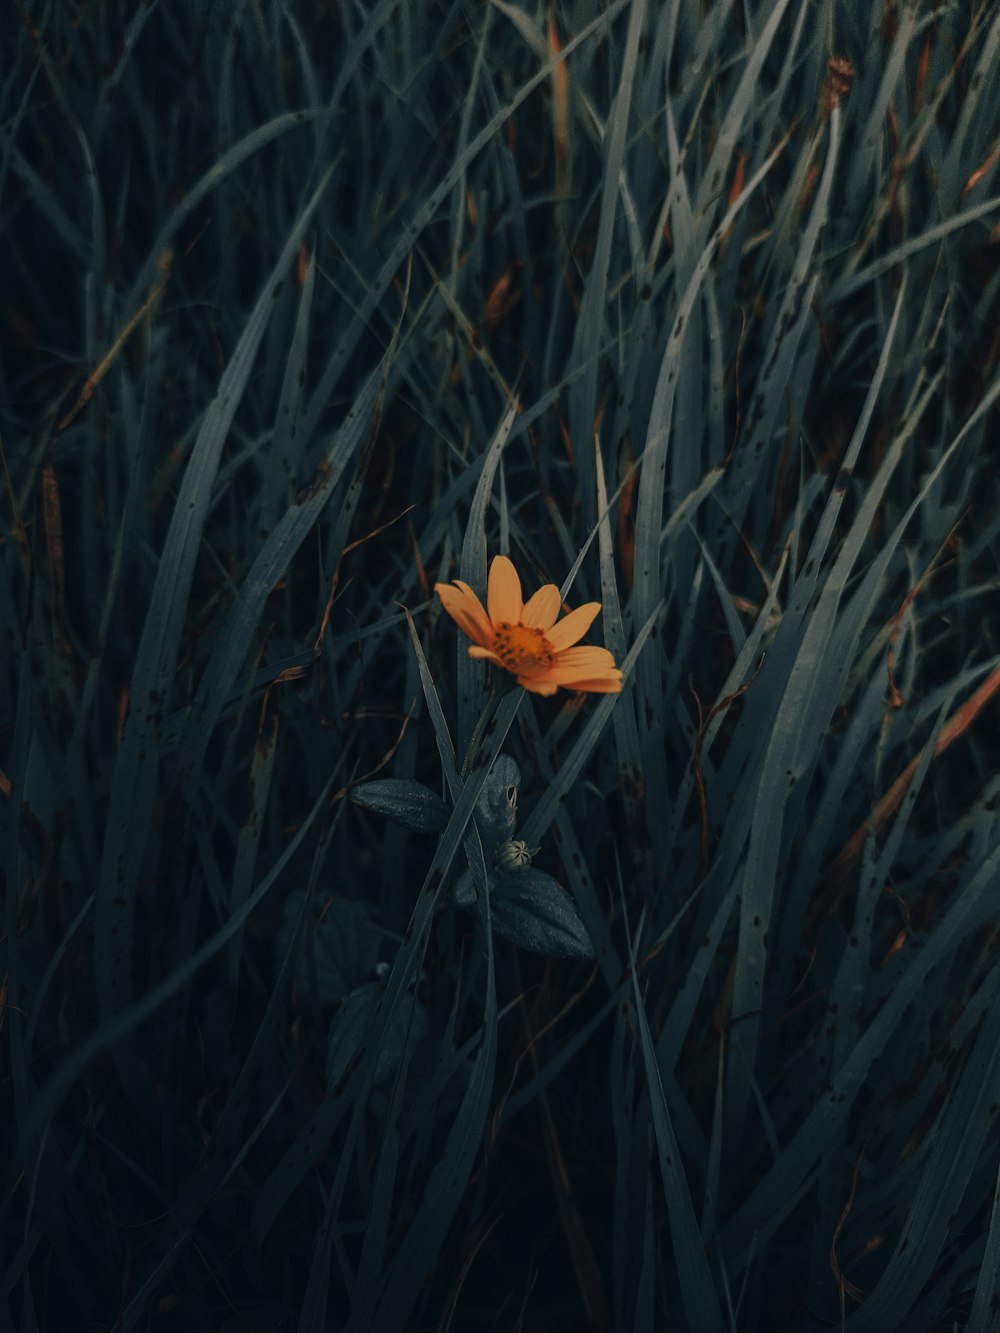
(522, 647)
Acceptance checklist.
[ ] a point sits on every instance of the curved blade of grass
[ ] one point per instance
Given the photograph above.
(544, 812)
(366, 1291)
(632, 1183)
(865, 156)
(300, 1156)
(847, 993)
(410, 232)
(848, 286)
(114, 1030)
(134, 780)
(471, 674)
(985, 1317)
(623, 717)
(853, 745)
(685, 460)
(184, 1214)
(800, 715)
(109, 87)
(235, 641)
(769, 398)
(646, 591)
(737, 114)
(261, 771)
(46, 200)
(418, 1252)
(955, 1155)
(776, 1194)
(283, 456)
(739, 674)
(589, 330)
(962, 158)
(25, 1108)
(230, 160)
(697, 1285)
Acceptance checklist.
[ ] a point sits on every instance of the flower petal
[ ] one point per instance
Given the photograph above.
(541, 610)
(503, 592)
(593, 659)
(538, 684)
(610, 684)
(475, 609)
(570, 675)
(464, 587)
(467, 612)
(483, 654)
(573, 627)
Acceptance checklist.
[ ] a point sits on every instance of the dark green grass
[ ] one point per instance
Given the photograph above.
(305, 307)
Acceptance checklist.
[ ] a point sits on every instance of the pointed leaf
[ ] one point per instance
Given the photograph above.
(338, 953)
(534, 911)
(404, 802)
(349, 1031)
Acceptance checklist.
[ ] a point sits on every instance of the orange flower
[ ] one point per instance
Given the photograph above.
(523, 637)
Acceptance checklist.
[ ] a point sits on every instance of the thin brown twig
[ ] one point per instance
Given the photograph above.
(17, 522)
(960, 721)
(104, 365)
(365, 777)
(855, 1292)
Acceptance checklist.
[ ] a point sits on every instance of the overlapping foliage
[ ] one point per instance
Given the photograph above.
(690, 308)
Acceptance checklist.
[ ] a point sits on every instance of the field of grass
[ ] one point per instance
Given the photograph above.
(690, 308)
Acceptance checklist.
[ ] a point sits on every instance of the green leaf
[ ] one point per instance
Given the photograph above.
(405, 802)
(531, 908)
(339, 952)
(350, 1027)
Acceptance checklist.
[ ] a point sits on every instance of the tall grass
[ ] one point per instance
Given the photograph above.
(689, 308)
